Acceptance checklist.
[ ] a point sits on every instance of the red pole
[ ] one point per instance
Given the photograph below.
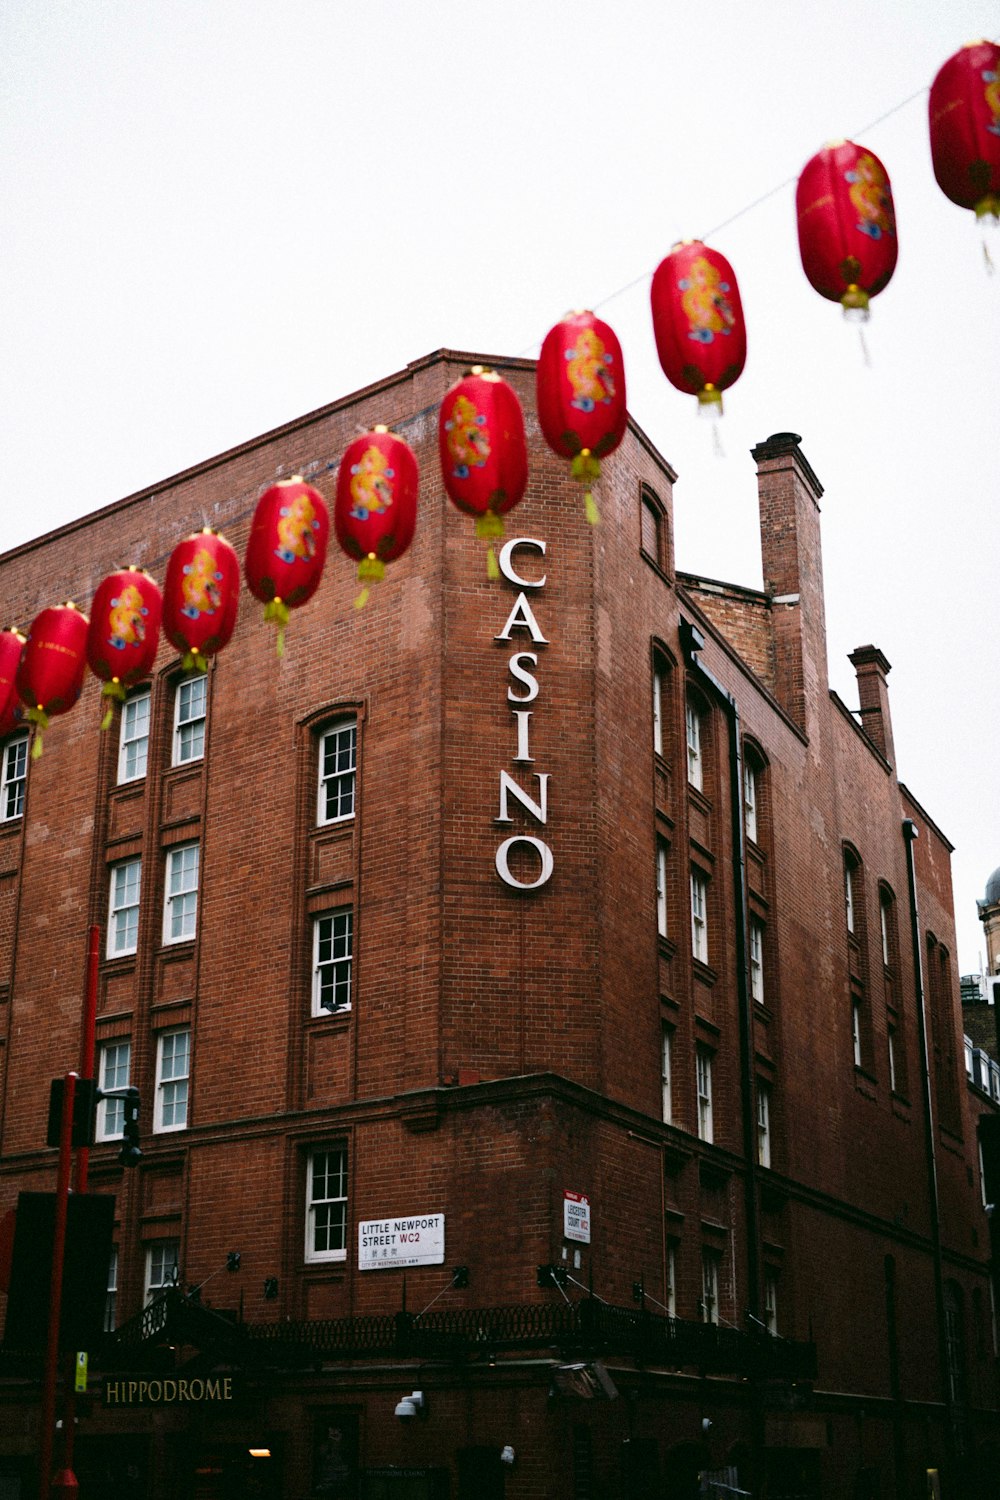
(55, 1288)
(87, 1028)
(65, 1480)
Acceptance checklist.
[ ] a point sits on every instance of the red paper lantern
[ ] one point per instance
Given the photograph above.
(287, 549)
(847, 227)
(11, 646)
(484, 457)
(375, 511)
(580, 382)
(52, 667)
(698, 323)
(964, 112)
(124, 632)
(201, 594)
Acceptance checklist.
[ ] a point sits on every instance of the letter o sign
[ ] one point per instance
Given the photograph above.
(503, 868)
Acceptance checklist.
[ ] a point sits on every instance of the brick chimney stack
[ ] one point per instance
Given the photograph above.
(788, 493)
(873, 692)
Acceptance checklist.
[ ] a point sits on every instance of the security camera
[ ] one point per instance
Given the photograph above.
(411, 1406)
(506, 1454)
(707, 1424)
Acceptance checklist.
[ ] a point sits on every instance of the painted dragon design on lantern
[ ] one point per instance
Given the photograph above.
(127, 619)
(588, 372)
(200, 586)
(297, 528)
(468, 440)
(705, 302)
(371, 490)
(871, 199)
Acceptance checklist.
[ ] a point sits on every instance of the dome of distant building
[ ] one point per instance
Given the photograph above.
(993, 889)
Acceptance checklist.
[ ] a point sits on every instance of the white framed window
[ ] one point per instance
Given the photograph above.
(703, 1071)
(763, 1124)
(190, 710)
(657, 712)
(666, 1068)
(893, 1080)
(699, 916)
(111, 1297)
(661, 886)
(849, 894)
(771, 1301)
(162, 1266)
(856, 1030)
(750, 799)
(883, 917)
(173, 1073)
(180, 897)
(710, 1286)
(13, 777)
(133, 739)
(692, 728)
(338, 765)
(123, 907)
(326, 1204)
(333, 944)
(671, 1279)
(114, 1062)
(757, 960)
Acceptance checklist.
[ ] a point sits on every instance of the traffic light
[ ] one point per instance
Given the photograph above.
(130, 1153)
(85, 1097)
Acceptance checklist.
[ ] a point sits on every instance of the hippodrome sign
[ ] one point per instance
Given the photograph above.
(522, 617)
(174, 1391)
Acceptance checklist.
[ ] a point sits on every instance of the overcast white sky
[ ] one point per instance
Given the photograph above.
(217, 215)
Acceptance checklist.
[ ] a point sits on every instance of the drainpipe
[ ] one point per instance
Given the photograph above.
(692, 641)
(910, 835)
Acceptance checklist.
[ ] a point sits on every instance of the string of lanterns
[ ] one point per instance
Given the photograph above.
(848, 248)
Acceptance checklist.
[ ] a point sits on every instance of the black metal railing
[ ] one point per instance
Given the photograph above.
(567, 1329)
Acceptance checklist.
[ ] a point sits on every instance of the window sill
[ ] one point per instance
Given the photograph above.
(704, 972)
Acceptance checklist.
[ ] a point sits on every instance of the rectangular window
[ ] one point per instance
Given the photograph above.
(709, 1286)
(190, 709)
(703, 1066)
(180, 905)
(658, 712)
(763, 1124)
(883, 914)
(666, 1045)
(692, 726)
(771, 1301)
(333, 938)
(162, 1268)
(750, 800)
(699, 916)
(112, 1073)
(856, 1031)
(111, 1299)
(671, 1280)
(326, 1204)
(892, 1060)
(849, 895)
(13, 777)
(338, 758)
(757, 960)
(133, 741)
(661, 887)
(123, 907)
(173, 1072)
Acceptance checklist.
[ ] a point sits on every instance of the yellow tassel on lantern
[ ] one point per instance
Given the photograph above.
(279, 612)
(40, 719)
(371, 569)
(587, 469)
(489, 526)
(113, 690)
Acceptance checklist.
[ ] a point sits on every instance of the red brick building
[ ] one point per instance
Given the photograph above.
(568, 922)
